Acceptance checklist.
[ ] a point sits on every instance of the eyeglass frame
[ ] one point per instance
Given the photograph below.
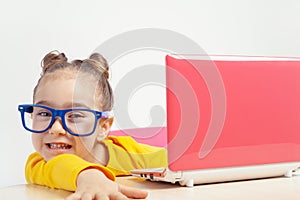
(23, 108)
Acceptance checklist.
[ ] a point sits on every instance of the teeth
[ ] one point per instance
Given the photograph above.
(58, 146)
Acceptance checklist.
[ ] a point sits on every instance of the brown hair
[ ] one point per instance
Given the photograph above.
(96, 65)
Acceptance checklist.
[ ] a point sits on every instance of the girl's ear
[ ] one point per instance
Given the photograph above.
(105, 126)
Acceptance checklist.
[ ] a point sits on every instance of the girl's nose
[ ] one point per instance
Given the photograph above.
(57, 127)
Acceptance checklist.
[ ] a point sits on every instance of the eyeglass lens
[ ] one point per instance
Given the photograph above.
(76, 121)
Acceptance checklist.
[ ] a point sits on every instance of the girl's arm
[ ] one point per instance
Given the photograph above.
(72, 173)
(60, 172)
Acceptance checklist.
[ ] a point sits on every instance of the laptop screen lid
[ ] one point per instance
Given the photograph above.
(232, 111)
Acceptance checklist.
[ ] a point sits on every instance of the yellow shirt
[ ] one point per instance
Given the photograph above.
(125, 154)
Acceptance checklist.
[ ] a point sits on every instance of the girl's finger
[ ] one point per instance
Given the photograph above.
(133, 192)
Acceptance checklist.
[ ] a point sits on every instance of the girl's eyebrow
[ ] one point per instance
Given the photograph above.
(67, 105)
(43, 102)
(76, 104)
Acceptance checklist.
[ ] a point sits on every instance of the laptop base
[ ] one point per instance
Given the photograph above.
(194, 177)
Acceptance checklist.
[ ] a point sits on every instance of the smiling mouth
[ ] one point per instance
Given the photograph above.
(57, 146)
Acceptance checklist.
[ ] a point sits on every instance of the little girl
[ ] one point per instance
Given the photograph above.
(70, 119)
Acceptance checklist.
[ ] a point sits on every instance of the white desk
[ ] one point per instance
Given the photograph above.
(273, 188)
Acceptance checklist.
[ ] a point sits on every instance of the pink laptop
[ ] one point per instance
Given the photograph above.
(230, 118)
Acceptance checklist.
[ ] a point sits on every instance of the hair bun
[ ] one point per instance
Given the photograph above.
(101, 64)
(53, 58)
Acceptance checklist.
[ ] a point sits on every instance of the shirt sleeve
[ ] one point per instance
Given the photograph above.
(60, 172)
(126, 154)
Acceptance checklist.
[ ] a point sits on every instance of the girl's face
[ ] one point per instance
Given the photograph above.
(62, 93)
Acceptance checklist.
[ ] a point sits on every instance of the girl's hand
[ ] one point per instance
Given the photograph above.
(92, 184)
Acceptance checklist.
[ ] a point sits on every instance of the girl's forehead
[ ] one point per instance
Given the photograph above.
(64, 75)
(66, 89)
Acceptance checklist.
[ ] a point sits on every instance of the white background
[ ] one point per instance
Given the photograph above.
(30, 29)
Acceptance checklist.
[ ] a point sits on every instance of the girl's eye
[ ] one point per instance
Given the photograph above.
(44, 114)
(75, 116)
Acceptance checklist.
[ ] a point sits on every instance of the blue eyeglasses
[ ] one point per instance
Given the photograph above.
(76, 121)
